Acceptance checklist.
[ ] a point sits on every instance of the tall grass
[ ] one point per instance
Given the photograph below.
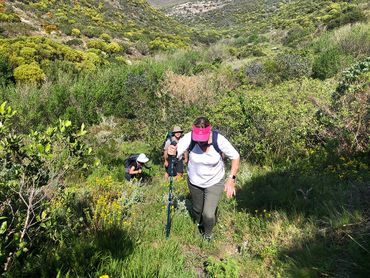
(351, 39)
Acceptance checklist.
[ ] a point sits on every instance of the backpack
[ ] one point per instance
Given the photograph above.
(128, 162)
(169, 135)
(214, 143)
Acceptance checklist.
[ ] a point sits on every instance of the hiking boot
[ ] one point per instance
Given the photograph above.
(207, 237)
(200, 228)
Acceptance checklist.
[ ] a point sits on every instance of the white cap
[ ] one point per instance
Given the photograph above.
(142, 158)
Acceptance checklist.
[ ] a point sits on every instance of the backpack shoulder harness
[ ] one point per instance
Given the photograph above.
(214, 143)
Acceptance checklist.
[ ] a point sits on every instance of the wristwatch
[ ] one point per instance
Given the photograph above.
(232, 177)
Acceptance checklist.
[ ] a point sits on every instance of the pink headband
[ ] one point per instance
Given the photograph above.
(200, 134)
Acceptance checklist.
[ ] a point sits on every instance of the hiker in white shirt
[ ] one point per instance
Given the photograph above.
(206, 171)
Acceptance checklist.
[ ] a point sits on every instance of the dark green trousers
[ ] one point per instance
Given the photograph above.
(205, 202)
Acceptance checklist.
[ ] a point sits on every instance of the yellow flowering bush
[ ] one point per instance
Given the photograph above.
(108, 210)
(31, 72)
(111, 202)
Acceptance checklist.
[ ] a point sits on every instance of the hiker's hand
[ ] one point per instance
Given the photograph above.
(172, 150)
(229, 188)
(139, 171)
(166, 163)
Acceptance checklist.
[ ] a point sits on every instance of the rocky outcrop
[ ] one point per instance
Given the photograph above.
(191, 8)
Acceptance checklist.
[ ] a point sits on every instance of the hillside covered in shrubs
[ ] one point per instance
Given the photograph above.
(289, 86)
(82, 35)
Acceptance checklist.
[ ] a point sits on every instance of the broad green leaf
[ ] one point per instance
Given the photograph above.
(3, 227)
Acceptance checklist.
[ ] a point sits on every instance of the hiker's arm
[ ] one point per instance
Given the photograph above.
(183, 145)
(165, 152)
(132, 171)
(227, 148)
(186, 157)
(165, 156)
(230, 182)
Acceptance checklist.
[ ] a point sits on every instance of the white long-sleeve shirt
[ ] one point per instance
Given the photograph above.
(206, 168)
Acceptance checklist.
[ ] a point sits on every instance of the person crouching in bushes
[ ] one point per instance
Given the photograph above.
(179, 163)
(134, 165)
(206, 171)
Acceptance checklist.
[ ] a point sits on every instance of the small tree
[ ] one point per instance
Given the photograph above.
(32, 167)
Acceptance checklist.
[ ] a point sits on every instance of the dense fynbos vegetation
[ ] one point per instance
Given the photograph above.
(98, 80)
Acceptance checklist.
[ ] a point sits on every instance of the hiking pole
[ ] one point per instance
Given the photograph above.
(172, 159)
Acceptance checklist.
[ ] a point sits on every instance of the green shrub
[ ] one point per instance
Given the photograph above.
(292, 66)
(29, 73)
(250, 51)
(91, 32)
(346, 118)
(184, 61)
(350, 15)
(66, 28)
(6, 71)
(166, 44)
(225, 268)
(295, 35)
(240, 41)
(42, 52)
(353, 39)
(255, 73)
(114, 47)
(207, 37)
(253, 38)
(9, 18)
(142, 47)
(273, 127)
(28, 53)
(327, 64)
(105, 37)
(107, 91)
(74, 42)
(122, 59)
(256, 38)
(76, 32)
(203, 67)
(97, 44)
(33, 166)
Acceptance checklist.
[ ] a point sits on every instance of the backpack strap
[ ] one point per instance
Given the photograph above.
(192, 145)
(214, 143)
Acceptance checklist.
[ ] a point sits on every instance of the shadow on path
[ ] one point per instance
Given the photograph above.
(339, 209)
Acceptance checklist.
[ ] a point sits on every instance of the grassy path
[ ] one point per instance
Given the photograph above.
(239, 237)
(291, 240)
(271, 229)
(184, 254)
